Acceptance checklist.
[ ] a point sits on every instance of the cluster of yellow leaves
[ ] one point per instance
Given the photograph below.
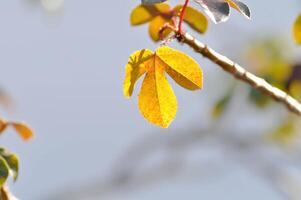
(157, 101)
(160, 14)
(21, 128)
(297, 30)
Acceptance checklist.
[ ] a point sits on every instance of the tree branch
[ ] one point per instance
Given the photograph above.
(238, 72)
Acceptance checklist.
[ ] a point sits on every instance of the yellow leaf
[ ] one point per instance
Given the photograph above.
(157, 101)
(144, 13)
(193, 18)
(24, 131)
(297, 30)
(182, 68)
(286, 133)
(155, 25)
(278, 70)
(135, 69)
(295, 89)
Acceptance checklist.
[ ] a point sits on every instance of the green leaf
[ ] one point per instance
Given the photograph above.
(12, 161)
(221, 105)
(4, 171)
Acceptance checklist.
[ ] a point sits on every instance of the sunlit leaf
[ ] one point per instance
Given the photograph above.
(217, 10)
(12, 162)
(145, 13)
(157, 15)
(182, 68)
(297, 30)
(194, 18)
(134, 70)
(155, 25)
(157, 101)
(24, 131)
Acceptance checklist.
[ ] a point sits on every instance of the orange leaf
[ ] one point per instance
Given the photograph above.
(24, 131)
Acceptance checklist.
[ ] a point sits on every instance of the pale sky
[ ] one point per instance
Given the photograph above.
(65, 73)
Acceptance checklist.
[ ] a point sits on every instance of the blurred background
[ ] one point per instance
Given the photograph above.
(62, 65)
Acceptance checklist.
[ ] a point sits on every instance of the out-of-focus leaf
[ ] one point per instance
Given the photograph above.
(194, 18)
(12, 161)
(270, 59)
(278, 70)
(134, 70)
(157, 101)
(5, 99)
(221, 105)
(145, 13)
(297, 30)
(52, 5)
(152, 1)
(182, 68)
(285, 133)
(23, 129)
(295, 89)
(6, 195)
(3, 125)
(258, 98)
(4, 171)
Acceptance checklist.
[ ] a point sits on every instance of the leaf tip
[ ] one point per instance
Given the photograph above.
(23, 130)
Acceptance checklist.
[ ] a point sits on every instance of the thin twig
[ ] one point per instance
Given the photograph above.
(237, 71)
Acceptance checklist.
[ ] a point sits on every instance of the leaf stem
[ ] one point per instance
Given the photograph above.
(182, 15)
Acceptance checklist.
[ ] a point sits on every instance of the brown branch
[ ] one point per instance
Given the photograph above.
(237, 71)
